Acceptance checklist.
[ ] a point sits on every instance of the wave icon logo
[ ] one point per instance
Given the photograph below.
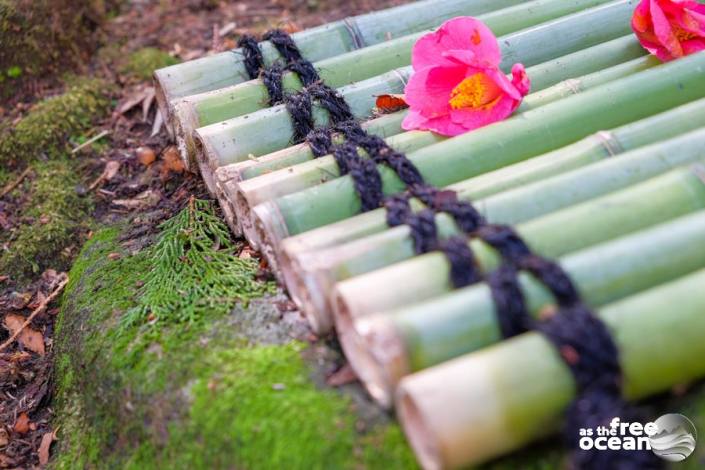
(675, 439)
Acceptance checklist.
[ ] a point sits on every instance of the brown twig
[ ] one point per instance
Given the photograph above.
(15, 183)
(42, 306)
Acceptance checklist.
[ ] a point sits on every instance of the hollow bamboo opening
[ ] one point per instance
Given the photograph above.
(305, 291)
(243, 210)
(201, 151)
(374, 352)
(270, 230)
(222, 195)
(163, 105)
(421, 439)
(183, 120)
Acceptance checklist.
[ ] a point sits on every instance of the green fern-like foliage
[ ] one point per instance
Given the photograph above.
(194, 271)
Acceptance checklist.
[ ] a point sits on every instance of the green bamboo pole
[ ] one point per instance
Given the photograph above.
(489, 403)
(543, 75)
(661, 198)
(237, 100)
(310, 276)
(595, 147)
(600, 274)
(290, 180)
(226, 68)
(226, 178)
(536, 132)
(233, 140)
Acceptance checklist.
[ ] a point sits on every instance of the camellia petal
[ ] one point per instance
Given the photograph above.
(461, 33)
(457, 85)
(670, 29)
(428, 91)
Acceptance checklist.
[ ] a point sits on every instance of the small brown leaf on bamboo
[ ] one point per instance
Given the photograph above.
(390, 103)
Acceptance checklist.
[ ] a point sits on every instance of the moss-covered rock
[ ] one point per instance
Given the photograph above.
(195, 392)
(52, 223)
(41, 37)
(48, 127)
(142, 63)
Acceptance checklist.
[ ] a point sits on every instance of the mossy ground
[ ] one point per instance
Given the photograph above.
(192, 394)
(52, 223)
(142, 63)
(41, 37)
(51, 213)
(51, 126)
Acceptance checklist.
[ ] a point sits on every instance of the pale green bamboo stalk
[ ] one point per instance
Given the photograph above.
(428, 333)
(293, 179)
(233, 140)
(595, 147)
(472, 409)
(237, 100)
(226, 68)
(543, 75)
(226, 178)
(536, 132)
(661, 198)
(310, 276)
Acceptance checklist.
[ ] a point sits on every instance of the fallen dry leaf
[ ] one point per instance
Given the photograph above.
(45, 445)
(390, 103)
(172, 161)
(22, 423)
(145, 155)
(144, 199)
(150, 93)
(29, 338)
(3, 438)
(342, 376)
(113, 256)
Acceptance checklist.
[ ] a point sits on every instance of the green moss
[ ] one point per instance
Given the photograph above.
(40, 37)
(48, 127)
(143, 62)
(54, 220)
(190, 394)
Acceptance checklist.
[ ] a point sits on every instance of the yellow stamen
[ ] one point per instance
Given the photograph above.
(470, 93)
(683, 35)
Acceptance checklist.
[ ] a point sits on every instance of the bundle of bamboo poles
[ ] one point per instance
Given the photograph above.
(602, 168)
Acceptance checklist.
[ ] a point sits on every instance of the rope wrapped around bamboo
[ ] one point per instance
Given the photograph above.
(596, 370)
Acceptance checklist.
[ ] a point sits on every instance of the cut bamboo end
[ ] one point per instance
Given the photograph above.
(243, 210)
(163, 102)
(416, 427)
(184, 121)
(201, 151)
(435, 420)
(224, 188)
(375, 353)
(304, 284)
(270, 230)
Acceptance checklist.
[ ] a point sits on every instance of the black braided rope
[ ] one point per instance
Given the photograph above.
(463, 267)
(366, 179)
(300, 109)
(586, 346)
(254, 62)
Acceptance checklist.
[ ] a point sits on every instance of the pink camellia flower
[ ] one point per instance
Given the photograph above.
(670, 29)
(457, 85)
